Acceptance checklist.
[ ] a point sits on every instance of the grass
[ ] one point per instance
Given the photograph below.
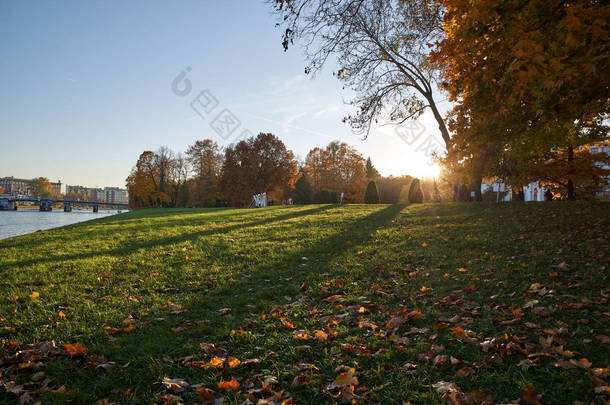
(361, 274)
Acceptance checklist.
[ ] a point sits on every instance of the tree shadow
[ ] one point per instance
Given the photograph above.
(25, 243)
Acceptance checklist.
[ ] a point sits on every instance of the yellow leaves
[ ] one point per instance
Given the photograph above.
(215, 363)
(463, 270)
(344, 379)
(34, 295)
(286, 323)
(130, 328)
(459, 333)
(365, 323)
(229, 385)
(300, 335)
(232, 362)
(75, 349)
(114, 331)
(320, 335)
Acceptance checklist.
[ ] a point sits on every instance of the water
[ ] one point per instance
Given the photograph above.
(14, 223)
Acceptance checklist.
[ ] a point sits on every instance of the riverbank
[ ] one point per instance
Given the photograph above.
(316, 303)
(22, 222)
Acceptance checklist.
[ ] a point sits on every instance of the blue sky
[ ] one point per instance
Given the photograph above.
(87, 86)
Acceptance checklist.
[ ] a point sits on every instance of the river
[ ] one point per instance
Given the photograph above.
(15, 223)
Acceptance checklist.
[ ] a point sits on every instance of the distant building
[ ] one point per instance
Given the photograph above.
(14, 186)
(116, 195)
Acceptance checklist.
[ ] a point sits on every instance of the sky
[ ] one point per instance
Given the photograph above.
(87, 86)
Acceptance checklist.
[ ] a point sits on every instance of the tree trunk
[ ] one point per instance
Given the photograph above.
(570, 187)
(456, 192)
(518, 194)
(476, 187)
(441, 122)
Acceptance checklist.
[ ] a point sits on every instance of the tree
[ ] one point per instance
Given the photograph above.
(256, 165)
(1, 189)
(381, 47)
(371, 172)
(390, 189)
(338, 168)
(415, 192)
(372, 194)
(530, 77)
(141, 182)
(206, 162)
(40, 187)
(152, 182)
(303, 193)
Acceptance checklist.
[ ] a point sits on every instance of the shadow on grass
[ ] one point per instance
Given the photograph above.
(156, 341)
(131, 247)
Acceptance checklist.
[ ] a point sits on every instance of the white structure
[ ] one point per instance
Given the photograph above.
(533, 191)
(258, 201)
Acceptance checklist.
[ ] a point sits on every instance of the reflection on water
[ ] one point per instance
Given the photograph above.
(14, 223)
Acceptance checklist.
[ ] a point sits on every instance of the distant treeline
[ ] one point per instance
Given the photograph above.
(206, 176)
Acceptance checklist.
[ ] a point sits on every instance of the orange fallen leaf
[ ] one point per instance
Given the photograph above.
(35, 294)
(61, 314)
(233, 362)
(75, 349)
(424, 244)
(320, 335)
(232, 385)
(215, 363)
(130, 328)
(459, 332)
(531, 397)
(286, 323)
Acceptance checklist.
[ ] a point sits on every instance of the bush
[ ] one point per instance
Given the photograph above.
(415, 193)
(371, 196)
(303, 193)
(327, 197)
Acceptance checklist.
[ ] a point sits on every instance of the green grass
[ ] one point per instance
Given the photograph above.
(387, 260)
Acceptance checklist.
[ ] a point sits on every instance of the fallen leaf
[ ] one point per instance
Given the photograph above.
(175, 385)
(75, 349)
(232, 385)
(344, 379)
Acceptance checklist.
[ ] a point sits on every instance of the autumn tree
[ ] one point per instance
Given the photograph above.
(381, 48)
(206, 163)
(337, 168)
(40, 187)
(256, 165)
(529, 77)
(1, 189)
(150, 183)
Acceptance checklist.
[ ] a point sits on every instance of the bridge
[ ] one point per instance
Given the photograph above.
(46, 204)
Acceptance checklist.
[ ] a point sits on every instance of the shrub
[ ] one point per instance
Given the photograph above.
(371, 196)
(415, 193)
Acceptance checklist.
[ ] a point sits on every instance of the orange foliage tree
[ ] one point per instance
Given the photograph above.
(256, 165)
(337, 168)
(529, 77)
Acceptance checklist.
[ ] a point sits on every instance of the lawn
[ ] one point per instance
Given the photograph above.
(312, 304)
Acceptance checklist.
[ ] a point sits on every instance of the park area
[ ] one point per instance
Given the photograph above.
(426, 303)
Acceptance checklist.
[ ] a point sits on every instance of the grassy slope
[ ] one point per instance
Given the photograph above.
(252, 261)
